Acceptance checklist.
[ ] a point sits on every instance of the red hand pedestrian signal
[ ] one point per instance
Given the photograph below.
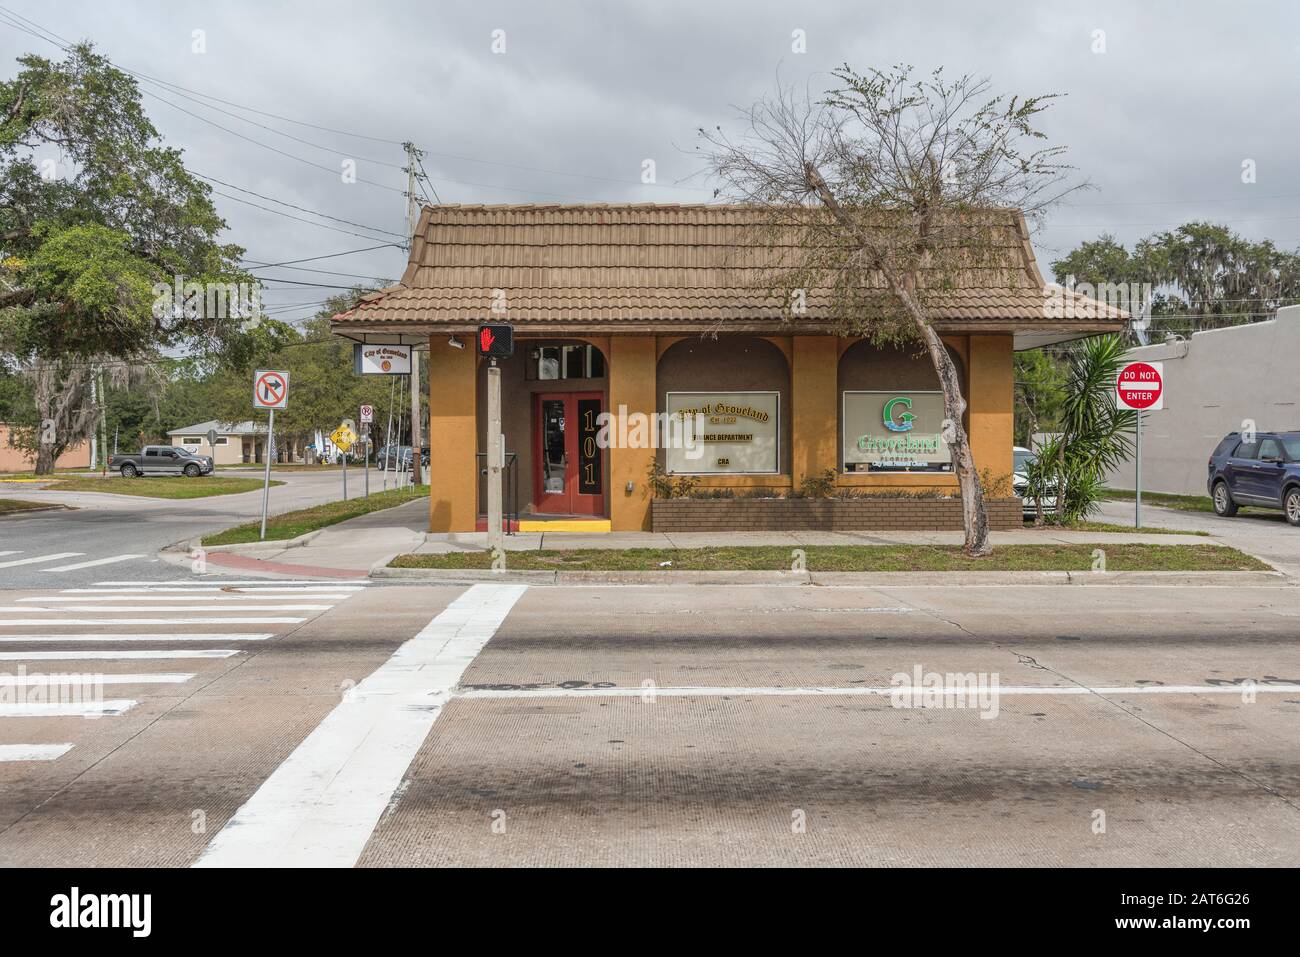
(496, 340)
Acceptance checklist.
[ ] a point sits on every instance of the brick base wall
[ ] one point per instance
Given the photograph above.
(823, 515)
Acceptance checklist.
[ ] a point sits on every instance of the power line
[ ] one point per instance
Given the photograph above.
(346, 252)
(68, 44)
(348, 222)
(280, 212)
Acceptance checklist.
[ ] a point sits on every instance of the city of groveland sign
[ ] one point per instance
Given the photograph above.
(722, 408)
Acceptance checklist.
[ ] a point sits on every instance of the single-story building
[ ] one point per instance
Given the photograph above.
(13, 459)
(1216, 382)
(237, 442)
(632, 318)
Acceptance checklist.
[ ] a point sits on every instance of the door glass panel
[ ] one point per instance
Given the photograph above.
(553, 446)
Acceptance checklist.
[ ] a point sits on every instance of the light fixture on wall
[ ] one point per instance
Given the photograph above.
(455, 343)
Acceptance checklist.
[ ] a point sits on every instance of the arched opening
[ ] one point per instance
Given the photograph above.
(749, 378)
(552, 393)
(890, 416)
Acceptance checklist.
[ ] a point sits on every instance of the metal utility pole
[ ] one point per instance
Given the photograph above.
(412, 217)
(94, 436)
(494, 457)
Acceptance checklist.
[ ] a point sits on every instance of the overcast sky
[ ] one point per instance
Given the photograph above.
(1160, 122)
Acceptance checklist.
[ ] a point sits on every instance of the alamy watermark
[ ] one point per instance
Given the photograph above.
(977, 691)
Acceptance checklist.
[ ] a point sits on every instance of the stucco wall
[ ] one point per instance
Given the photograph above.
(1213, 383)
(232, 453)
(15, 460)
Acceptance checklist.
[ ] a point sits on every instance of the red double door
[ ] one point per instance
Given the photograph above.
(568, 462)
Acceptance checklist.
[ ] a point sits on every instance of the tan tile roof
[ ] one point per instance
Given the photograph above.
(644, 267)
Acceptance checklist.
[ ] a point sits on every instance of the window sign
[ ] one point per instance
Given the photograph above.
(739, 433)
(894, 432)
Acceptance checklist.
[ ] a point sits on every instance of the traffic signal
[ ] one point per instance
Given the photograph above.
(496, 340)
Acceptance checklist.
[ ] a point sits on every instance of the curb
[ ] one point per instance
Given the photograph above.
(54, 506)
(450, 576)
(276, 544)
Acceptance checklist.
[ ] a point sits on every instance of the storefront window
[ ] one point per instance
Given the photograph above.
(565, 362)
(738, 433)
(894, 432)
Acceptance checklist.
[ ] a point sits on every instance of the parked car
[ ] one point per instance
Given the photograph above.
(1263, 471)
(161, 460)
(395, 457)
(1023, 459)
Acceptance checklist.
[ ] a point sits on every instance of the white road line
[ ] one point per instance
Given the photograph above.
(92, 564)
(319, 808)
(12, 551)
(160, 636)
(33, 752)
(53, 681)
(181, 613)
(116, 655)
(209, 582)
(5, 622)
(742, 692)
(40, 558)
(195, 598)
(57, 709)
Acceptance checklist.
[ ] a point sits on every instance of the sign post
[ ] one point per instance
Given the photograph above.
(344, 437)
(495, 340)
(367, 417)
(270, 392)
(1140, 387)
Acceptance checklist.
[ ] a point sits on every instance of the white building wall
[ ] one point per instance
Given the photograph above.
(1214, 383)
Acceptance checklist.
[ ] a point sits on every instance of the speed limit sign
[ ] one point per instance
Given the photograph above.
(367, 414)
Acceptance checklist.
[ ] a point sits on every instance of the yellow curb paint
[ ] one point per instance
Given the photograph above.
(566, 525)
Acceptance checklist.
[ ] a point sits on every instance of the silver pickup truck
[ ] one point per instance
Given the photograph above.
(161, 460)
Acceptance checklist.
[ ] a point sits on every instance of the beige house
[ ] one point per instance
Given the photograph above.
(237, 442)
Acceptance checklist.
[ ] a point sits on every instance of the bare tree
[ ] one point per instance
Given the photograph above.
(882, 196)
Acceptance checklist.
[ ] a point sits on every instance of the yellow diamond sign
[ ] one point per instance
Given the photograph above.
(343, 438)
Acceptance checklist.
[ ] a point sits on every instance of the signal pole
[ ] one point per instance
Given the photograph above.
(412, 217)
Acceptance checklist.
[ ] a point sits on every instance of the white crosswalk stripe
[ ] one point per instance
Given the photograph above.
(174, 608)
(33, 752)
(112, 560)
(89, 680)
(84, 655)
(191, 598)
(141, 636)
(37, 559)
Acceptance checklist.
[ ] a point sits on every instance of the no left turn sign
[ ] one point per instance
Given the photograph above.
(270, 389)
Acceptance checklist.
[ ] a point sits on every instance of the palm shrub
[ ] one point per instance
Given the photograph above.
(1095, 433)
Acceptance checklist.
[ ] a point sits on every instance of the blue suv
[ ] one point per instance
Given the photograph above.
(1264, 472)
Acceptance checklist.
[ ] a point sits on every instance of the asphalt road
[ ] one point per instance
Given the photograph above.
(127, 532)
(683, 725)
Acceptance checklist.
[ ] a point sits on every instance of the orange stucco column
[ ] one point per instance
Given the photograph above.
(814, 385)
(631, 392)
(992, 409)
(453, 436)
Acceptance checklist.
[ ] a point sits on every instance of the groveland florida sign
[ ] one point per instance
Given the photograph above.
(734, 433)
(892, 431)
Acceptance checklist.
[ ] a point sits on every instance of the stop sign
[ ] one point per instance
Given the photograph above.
(1141, 386)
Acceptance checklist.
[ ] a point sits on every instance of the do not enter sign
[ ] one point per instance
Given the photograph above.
(1141, 386)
